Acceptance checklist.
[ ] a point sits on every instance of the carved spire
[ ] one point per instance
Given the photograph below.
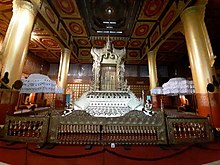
(109, 45)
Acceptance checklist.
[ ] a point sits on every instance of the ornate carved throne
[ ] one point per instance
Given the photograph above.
(109, 95)
(108, 69)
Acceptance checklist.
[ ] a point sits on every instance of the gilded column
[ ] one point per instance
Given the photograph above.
(1, 40)
(152, 67)
(201, 61)
(15, 45)
(64, 68)
(1, 43)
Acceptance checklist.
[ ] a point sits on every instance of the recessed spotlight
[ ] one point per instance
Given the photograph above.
(109, 10)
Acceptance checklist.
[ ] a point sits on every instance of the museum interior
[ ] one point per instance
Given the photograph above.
(109, 81)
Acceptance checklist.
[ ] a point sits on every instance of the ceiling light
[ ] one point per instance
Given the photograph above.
(109, 32)
(109, 27)
(109, 22)
(109, 10)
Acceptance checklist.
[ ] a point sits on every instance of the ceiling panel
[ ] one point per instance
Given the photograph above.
(76, 27)
(152, 9)
(136, 43)
(140, 25)
(169, 17)
(133, 55)
(48, 42)
(170, 45)
(66, 8)
(142, 29)
(82, 42)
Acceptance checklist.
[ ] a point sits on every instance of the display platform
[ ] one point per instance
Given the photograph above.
(134, 127)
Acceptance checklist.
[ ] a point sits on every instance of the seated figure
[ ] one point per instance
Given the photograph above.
(4, 81)
(148, 105)
(148, 108)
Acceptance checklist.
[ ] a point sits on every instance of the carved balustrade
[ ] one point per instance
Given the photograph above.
(26, 129)
(133, 128)
(188, 130)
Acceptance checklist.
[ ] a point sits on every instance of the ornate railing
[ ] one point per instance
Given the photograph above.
(188, 130)
(133, 128)
(26, 129)
(80, 128)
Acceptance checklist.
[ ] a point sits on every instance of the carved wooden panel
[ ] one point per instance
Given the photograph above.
(34, 64)
(26, 129)
(188, 130)
(132, 128)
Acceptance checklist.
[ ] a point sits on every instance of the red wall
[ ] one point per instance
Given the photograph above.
(20, 154)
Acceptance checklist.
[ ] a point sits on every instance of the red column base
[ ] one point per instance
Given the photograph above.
(60, 101)
(209, 106)
(155, 100)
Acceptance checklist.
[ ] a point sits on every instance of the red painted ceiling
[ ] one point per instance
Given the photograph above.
(141, 25)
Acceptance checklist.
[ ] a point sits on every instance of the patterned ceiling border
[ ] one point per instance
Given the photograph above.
(73, 48)
(66, 8)
(5, 5)
(40, 29)
(82, 42)
(119, 43)
(98, 43)
(169, 18)
(48, 14)
(112, 38)
(135, 43)
(64, 35)
(56, 53)
(3, 26)
(152, 10)
(142, 29)
(155, 36)
(34, 45)
(49, 42)
(133, 55)
(84, 54)
(60, 30)
(73, 60)
(76, 28)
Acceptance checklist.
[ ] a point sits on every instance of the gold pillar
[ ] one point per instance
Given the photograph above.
(15, 45)
(64, 68)
(201, 61)
(1, 43)
(152, 67)
(1, 40)
(199, 49)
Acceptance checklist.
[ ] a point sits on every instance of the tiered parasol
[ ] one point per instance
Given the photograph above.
(178, 86)
(157, 91)
(38, 83)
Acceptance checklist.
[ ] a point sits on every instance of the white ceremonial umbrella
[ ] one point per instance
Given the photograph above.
(157, 91)
(38, 83)
(178, 86)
